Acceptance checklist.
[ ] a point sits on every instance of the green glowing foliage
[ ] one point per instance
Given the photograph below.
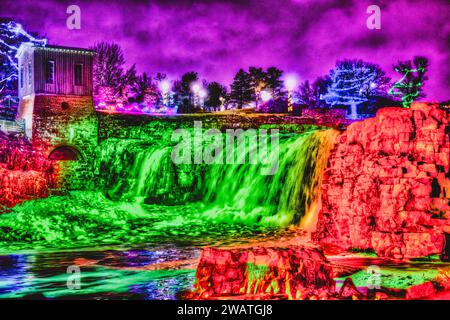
(410, 86)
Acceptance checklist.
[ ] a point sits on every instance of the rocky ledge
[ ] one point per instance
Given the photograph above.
(24, 173)
(291, 272)
(387, 185)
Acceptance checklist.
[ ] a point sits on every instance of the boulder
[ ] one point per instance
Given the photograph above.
(420, 291)
(349, 291)
(387, 185)
(291, 272)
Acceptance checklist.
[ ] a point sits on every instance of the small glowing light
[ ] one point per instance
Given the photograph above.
(373, 85)
(195, 88)
(265, 96)
(202, 93)
(165, 86)
(290, 82)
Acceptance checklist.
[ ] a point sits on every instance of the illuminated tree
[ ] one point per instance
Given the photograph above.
(258, 81)
(305, 94)
(410, 86)
(354, 82)
(183, 97)
(144, 86)
(109, 67)
(12, 35)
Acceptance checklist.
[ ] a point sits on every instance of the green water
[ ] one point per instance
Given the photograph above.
(229, 192)
(147, 212)
(117, 272)
(140, 235)
(145, 198)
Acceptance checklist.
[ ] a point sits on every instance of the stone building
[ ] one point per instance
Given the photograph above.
(56, 107)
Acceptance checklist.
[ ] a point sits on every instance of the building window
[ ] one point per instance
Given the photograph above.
(21, 76)
(30, 74)
(50, 71)
(78, 74)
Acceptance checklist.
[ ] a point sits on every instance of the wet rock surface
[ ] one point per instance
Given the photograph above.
(387, 185)
(292, 272)
(24, 173)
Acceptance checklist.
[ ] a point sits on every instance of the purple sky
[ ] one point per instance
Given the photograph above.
(216, 38)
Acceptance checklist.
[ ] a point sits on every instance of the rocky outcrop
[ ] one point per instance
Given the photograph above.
(24, 173)
(292, 272)
(387, 185)
(18, 186)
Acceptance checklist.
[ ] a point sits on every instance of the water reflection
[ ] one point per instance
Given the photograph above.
(132, 273)
(13, 273)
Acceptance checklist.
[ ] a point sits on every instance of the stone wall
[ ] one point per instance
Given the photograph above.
(138, 126)
(332, 116)
(387, 185)
(67, 121)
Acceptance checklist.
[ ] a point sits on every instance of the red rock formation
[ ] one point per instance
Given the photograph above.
(349, 290)
(17, 186)
(419, 291)
(293, 272)
(387, 186)
(24, 174)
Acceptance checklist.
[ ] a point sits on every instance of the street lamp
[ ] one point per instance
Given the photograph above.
(165, 88)
(265, 96)
(258, 89)
(290, 83)
(202, 94)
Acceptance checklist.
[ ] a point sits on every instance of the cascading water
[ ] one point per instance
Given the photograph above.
(232, 192)
(240, 193)
(149, 198)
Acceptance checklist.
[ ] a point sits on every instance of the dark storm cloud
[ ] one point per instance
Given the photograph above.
(217, 37)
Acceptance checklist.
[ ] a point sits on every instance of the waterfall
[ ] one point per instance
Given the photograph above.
(236, 193)
(240, 193)
(144, 197)
(133, 170)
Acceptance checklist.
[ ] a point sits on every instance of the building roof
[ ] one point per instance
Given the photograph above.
(61, 48)
(29, 45)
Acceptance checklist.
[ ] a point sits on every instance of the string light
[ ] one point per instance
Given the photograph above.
(12, 32)
(290, 83)
(348, 87)
(407, 98)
